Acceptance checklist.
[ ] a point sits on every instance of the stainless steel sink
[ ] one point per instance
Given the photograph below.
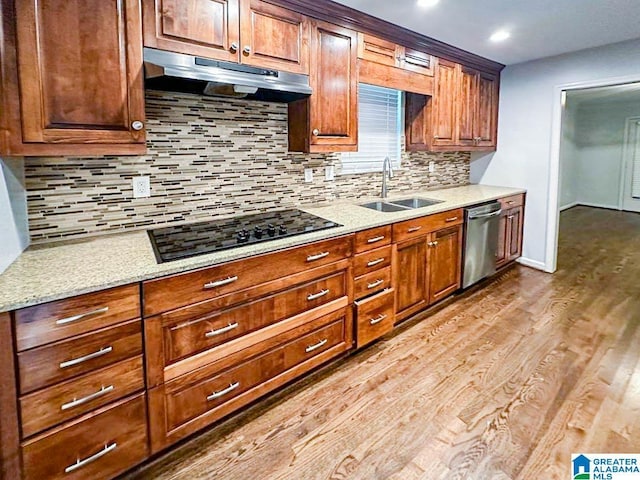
(384, 207)
(416, 202)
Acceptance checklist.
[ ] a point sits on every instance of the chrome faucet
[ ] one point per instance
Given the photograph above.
(387, 171)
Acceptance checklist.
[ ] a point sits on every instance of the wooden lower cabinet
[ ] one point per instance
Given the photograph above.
(444, 262)
(412, 281)
(374, 317)
(100, 445)
(510, 234)
(190, 402)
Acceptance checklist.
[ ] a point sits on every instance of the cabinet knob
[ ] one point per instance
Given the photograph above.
(247, 50)
(137, 125)
(436, 137)
(233, 47)
(316, 132)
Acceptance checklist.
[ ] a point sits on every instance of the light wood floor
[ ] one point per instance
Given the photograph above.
(503, 384)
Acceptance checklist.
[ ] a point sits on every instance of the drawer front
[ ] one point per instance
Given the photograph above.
(364, 263)
(374, 317)
(62, 402)
(420, 226)
(372, 238)
(372, 282)
(60, 361)
(512, 201)
(192, 336)
(95, 447)
(195, 400)
(62, 319)
(179, 290)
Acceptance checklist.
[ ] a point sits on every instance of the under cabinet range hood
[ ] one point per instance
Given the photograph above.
(178, 72)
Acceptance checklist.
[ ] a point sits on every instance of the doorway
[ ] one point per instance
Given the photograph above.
(630, 178)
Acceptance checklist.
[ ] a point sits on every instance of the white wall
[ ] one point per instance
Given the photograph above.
(569, 166)
(14, 225)
(527, 98)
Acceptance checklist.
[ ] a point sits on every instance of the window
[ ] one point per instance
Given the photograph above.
(379, 130)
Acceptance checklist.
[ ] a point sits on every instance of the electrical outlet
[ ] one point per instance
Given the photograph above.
(432, 166)
(329, 173)
(308, 175)
(141, 187)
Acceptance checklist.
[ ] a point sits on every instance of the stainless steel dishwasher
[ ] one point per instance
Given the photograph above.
(482, 223)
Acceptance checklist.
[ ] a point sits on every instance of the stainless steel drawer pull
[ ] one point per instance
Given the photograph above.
(315, 296)
(452, 219)
(375, 284)
(376, 239)
(311, 348)
(91, 356)
(220, 331)
(433, 244)
(79, 401)
(510, 217)
(222, 393)
(378, 319)
(373, 263)
(75, 318)
(511, 202)
(81, 463)
(220, 283)
(414, 229)
(312, 258)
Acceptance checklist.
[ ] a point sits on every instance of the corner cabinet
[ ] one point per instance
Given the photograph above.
(327, 121)
(462, 115)
(78, 87)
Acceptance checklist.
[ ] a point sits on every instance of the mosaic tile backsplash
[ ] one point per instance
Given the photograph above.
(206, 157)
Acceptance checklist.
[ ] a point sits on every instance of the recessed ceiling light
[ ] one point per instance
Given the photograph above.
(427, 3)
(499, 36)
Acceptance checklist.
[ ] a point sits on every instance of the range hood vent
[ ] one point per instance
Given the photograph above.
(178, 72)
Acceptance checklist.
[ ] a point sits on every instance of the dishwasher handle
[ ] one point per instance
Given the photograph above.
(488, 215)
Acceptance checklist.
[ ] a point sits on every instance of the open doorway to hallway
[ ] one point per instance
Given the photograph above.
(600, 148)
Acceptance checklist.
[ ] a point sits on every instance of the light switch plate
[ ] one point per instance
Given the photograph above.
(141, 187)
(308, 175)
(329, 173)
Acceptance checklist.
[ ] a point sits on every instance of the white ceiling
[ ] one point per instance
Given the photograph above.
(539, 28)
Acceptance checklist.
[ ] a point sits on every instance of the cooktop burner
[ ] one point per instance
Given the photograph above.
(183, 241)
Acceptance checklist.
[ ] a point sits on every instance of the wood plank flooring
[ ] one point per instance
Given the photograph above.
(505, 383)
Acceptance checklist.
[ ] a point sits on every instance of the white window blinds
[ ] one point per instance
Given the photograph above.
(379, 130)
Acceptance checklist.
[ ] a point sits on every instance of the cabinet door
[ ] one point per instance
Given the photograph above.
(207, 28)
(503, 238)
(467, 107)
(445, 248)
(412, 293)
(333, 104)
(418, 62)
(377, 50)
(443, 120)
(80, 71)
(486, 123)
(417, 108)
(515, 224)
(274, 37)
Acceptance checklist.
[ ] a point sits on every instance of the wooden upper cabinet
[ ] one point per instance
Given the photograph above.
(80, 75)
(207, 28)
(327, 121)
(417, 62)
(274, 37)
(378, 50)
(443, 117)
(487, 110)
(467, 107)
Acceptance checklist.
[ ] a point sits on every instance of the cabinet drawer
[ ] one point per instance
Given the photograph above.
(372, 282)
(512, 201)
(374, 317)
(372, 238)
(179, 290)
(50, 364)
(93, 447)
(421, 226)
(185, 338)
(62, 319)
(62, 402)
(372, 260)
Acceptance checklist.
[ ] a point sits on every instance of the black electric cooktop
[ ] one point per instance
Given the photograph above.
(183, 241)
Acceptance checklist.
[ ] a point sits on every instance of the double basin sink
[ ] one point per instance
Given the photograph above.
(401, 205)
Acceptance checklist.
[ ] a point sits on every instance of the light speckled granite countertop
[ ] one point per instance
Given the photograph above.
(51, 272)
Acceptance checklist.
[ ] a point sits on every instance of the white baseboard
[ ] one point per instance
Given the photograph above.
(598, 205)
(527, 262)
(568, 206)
